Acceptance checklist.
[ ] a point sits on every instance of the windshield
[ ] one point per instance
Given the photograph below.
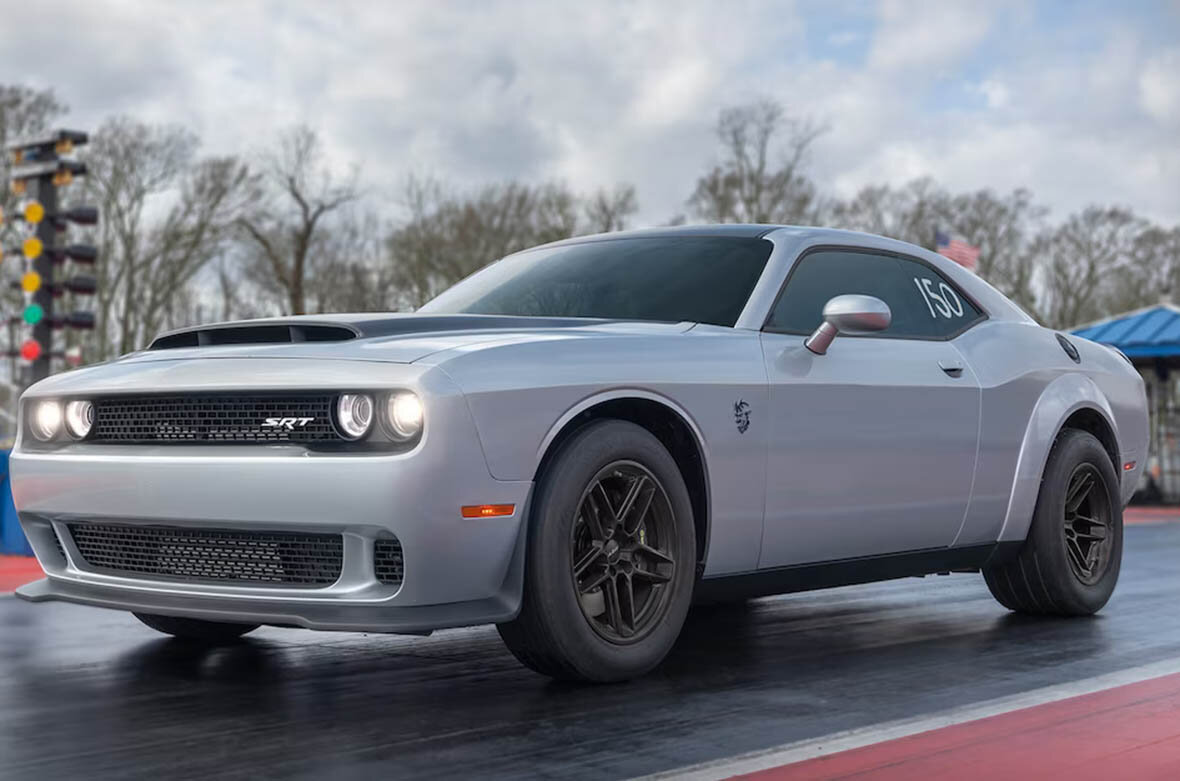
(687, 278)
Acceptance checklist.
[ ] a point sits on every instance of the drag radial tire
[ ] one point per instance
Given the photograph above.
(1069, 563)
(195, 629)
(611, 558)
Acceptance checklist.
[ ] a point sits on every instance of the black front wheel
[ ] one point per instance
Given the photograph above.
(611, 558)
(1069, 563)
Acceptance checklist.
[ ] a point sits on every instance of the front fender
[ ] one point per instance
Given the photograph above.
(1061, 398)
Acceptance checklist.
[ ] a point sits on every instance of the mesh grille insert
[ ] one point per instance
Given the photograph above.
(388, 564)
(219, 555)
(214, 418)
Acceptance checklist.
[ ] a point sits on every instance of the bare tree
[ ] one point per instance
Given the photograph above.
(164, 217)
(445, 237)
(353, 276)
(1151, 273)
(286, 231)
(761, 179)
(1002, 226)
(908, 213)
(609, 210)
(1080, 259)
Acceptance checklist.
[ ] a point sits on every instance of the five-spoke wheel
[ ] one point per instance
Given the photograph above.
(1088, 541)
(622, 551)
(611, 557)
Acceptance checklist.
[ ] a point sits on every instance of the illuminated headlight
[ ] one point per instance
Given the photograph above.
(354, 414)
(404, 413)
(79, 418)
(45, 420)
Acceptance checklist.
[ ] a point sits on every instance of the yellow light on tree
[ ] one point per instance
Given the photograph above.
(33, 212)
(31, 282)
(32, 247)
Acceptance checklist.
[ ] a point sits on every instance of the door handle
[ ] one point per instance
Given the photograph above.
(952, 368)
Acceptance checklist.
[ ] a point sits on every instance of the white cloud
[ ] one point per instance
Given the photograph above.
(1159, 87)
(994, 92)
(928, 35)
(610, 91)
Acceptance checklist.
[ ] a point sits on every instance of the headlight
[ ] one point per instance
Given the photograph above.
(45, 421)
(354, 414)
(404, 413)
(79, 418)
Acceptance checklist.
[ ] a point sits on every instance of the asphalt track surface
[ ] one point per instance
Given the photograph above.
(92, 693)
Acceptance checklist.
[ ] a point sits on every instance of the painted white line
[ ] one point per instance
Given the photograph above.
(891, 730)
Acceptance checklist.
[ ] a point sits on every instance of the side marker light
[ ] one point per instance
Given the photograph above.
(488, 510)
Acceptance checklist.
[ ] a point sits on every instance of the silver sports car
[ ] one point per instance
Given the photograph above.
(580, 439)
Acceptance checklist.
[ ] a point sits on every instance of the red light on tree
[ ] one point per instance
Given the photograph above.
(30, 350)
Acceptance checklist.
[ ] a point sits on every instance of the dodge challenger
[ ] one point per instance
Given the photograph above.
(581, 439)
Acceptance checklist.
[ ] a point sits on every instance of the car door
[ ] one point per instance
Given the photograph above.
(872, 445)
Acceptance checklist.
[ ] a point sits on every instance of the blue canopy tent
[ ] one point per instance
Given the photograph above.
(1144, 335)
(1151, 339)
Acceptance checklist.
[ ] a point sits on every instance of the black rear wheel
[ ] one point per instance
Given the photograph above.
(1070, 561)
(611, 558)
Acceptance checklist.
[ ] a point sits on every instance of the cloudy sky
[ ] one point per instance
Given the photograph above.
(1079, 101)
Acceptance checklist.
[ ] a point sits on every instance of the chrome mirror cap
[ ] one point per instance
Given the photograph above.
(849, 314)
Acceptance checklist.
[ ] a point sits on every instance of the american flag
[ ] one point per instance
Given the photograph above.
(957, 249)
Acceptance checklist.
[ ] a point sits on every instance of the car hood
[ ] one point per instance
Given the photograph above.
(393, 338)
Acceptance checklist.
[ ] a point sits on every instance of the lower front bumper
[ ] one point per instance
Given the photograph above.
(419, 619)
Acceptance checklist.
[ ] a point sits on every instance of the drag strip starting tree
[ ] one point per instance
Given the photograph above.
(42, 166)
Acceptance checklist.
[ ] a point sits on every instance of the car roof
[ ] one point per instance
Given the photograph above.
(737, 230)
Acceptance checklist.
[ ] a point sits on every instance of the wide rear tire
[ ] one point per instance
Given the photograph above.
(611, 558)
(1070, 561)
(196, 630)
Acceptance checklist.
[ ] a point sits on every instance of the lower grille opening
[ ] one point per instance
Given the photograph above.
(388, 564)
(211, 555)
(61, 551)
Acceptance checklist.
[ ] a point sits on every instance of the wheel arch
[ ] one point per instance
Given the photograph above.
(667, 422)
(1070, 401)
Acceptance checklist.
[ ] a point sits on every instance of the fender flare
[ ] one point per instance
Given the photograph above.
(628, 393)
(1061, 398)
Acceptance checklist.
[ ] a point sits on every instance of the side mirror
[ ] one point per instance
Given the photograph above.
(852, 313)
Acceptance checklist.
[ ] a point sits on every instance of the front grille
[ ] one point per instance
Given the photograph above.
(57, 541)
(225, 418)
(211, 555)
(388, 564)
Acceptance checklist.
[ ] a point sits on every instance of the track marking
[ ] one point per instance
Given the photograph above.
(799, 751)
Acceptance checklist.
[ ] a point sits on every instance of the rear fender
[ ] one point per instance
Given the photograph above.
(1061, 398)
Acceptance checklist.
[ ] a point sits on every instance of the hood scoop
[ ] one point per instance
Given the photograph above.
(253, 334)
(340, 328)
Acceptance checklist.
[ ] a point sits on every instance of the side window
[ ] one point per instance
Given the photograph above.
(941, 309)
(923, 303)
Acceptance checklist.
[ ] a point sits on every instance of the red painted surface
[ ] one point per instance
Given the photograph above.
(17, 571)
(1130, 731)
(1151, 515)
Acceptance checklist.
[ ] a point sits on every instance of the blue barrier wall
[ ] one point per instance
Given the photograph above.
(12, 539)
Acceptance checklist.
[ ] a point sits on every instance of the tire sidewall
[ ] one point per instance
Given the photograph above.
(549, 564)
(1072, 449)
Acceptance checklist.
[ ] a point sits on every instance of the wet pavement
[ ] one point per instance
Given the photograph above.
(93, 693)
